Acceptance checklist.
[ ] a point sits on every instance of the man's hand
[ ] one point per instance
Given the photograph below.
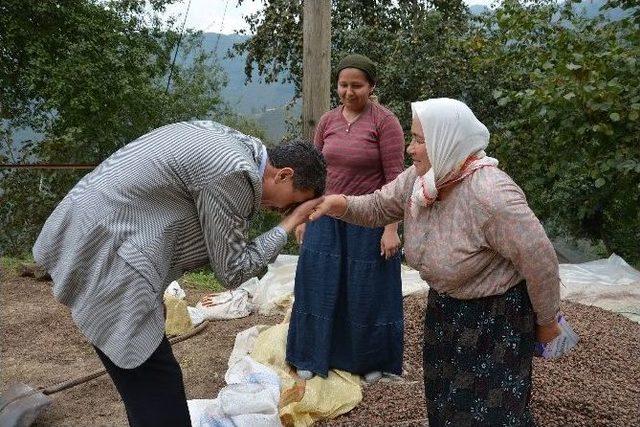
(334, 205)
(300, 214)
(389, 243)
(300, 233)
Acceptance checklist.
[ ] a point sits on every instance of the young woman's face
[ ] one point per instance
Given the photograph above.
(354, 89)
(417, 148)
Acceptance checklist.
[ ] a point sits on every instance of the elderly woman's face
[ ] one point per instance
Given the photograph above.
(417, 148)
(353, 89)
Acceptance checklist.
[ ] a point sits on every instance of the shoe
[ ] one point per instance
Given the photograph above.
(372, 377)
(304, 374)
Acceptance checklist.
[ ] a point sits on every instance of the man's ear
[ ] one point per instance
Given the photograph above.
(285, 174)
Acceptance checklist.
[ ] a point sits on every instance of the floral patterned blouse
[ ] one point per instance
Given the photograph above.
(481, 239)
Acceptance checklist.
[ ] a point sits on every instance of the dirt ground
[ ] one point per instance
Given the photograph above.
(598, 384)
(40, 346)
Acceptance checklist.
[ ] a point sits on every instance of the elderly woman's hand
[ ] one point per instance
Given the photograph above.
(300, 214)
(334, 205)
(546, 333)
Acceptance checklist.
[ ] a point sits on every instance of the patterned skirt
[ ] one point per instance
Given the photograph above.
(347, 312)
(477, 359)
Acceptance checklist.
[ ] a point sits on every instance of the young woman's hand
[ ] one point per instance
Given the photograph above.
(299, 233)
(389, 243)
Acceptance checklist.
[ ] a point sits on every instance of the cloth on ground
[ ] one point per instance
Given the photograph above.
(177, 319)
(304, 402)
(250, 399)
(609, 283)
(273, 293)
(230, 304)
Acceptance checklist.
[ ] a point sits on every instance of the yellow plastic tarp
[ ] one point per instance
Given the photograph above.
(304, 402)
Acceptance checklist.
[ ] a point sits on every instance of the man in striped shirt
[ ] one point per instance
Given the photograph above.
(175, 199)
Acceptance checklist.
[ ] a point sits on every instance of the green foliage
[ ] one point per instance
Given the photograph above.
(566, 122)
(243, 124)
(410, 40)
(559, 91)
(10, 265)
(90, 76)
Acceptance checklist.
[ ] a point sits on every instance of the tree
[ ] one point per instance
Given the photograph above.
(395, 34)
(89, 76)
(558, 91)
(566, 124)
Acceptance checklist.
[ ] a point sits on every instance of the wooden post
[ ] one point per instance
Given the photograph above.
(316, 63)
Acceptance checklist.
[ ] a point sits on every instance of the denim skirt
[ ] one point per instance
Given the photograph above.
(347, 312)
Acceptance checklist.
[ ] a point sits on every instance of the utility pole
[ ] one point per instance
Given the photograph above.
(316, 63)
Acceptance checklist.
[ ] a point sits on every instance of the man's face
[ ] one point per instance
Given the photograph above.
(278, 192)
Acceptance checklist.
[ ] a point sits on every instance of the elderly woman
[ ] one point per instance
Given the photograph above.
(347, 312)
(492, 270)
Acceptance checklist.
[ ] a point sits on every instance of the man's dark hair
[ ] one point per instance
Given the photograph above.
(309, 167)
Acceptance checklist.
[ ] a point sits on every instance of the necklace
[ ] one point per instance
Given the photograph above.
(352, 120)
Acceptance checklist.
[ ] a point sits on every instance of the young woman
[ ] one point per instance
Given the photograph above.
(347, 312)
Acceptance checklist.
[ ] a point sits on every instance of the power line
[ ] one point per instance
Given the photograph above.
(224, 14)
(175, 55)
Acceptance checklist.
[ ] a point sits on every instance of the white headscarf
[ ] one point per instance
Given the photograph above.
(455, 143)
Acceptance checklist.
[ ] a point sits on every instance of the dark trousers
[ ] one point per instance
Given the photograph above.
(153, 393)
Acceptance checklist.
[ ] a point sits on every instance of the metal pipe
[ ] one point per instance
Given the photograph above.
(47, 166)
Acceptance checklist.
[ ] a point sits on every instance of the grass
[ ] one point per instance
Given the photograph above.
(202, 279)
(12, 265)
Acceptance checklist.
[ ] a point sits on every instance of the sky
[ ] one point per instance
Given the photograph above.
(225, 16)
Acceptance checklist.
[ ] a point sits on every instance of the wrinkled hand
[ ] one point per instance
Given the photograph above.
(299, 233)
(546, 333)
(389, 244)
(563, 341)
(300, 214)
(334, 205)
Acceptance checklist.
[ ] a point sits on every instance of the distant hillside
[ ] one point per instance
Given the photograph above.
(477, 9)
(252, 97)
(588, 8)
(256, 99)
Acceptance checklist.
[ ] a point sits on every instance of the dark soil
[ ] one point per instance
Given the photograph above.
(40, 346)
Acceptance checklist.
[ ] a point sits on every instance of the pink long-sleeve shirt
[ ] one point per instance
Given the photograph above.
(361, 156)
(480, 240)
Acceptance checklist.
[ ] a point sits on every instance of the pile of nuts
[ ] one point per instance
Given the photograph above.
(597, 384)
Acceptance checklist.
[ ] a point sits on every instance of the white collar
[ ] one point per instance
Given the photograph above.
(263, 161)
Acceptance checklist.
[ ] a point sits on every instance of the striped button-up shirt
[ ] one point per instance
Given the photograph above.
(173, 200)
